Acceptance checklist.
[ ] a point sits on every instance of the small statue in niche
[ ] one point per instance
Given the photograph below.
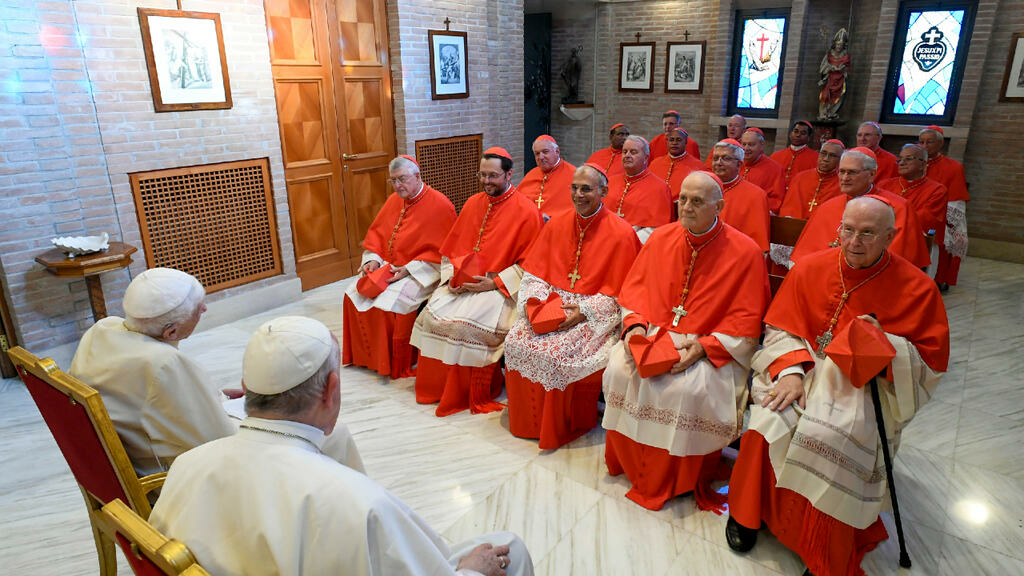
(834, 68)
(571, 71)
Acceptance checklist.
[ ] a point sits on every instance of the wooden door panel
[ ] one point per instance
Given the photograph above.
(291, 32)
(364, 117)
(312, 221)
(300, 113)
(360, 31)
(370, 189)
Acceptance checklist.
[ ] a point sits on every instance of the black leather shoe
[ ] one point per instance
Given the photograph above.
(943, 287)
(807, 572)
(739, 537)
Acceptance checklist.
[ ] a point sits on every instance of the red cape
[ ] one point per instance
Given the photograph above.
(680, 168)
(746, 209)
(767, 174)
(648, 202)
(659, 146)
(609, 247)
(610, 160)
(904, 299)
(926, 196)
(886, 164)
(821, 229)
(728, 292)
(950, 174)
(511, 226)
(427, 221)
(807, 186)
(557, 197)
(794, 163)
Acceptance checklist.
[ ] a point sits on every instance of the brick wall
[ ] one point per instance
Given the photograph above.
(77, 117)
(494, 108)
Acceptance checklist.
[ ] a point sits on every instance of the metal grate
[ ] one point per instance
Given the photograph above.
(214, 221)
(450, 165)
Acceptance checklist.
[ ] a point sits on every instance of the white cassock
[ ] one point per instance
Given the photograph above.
(402, 296)
(829, 452)
(160, 401)
(265, 501)
(467, 329)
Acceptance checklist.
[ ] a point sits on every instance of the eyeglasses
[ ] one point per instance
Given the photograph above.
(845, 172)
(400, 179)
(490, 175)
(847, 233)
(724, 159)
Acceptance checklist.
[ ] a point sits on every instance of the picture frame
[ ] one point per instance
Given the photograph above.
(185, 58)
(636, 67)
(449, 64)
(684, 67)
(1013, 77)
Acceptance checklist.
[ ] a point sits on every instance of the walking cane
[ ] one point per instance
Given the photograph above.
(904, 556)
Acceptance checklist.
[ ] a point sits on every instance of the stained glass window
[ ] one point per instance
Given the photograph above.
(757, 62)
(927, 62)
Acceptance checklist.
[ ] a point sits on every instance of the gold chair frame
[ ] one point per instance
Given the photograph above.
(171, 556)
(135, 488)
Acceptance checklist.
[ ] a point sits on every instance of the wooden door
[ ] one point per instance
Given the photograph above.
(337, 135)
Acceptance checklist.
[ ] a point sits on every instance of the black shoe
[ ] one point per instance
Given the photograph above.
(943, 287)
(807, 572)
(739, 537)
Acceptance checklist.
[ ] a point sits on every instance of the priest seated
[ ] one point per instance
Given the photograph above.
(810, 465)
(569, 318)
(547, 185)
(746, 203)
(636, 194)
(266, 501)
(400, 269)
(676, 385)
(461, 332)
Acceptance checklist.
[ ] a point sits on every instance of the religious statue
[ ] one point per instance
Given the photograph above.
(571, 71)
(834, 68)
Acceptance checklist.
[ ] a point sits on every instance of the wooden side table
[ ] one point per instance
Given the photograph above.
(89, 266)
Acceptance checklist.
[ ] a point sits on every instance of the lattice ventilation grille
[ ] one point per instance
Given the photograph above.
(214, 221)
(450, 165)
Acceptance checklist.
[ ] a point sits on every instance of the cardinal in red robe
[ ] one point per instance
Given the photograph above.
(815, 476)
(677, 163)
(553, 378)
(926, 196)
(461, 332)
(746, 204)
(761, 170)
(951, 239)
(869, 135)
(637, 195)
(798, 156)
(705, 286)
(610, 158)
(670, 121)
(547, 185)
(405, 238)
(812, 188)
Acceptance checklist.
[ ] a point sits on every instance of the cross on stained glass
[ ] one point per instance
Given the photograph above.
(933, 35)
(762, 40)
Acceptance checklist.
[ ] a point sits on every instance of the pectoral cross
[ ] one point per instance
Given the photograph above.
(834, 243)
(812, 204)
(680, 312)
(574, 276)
(540, 195)
(823, 341)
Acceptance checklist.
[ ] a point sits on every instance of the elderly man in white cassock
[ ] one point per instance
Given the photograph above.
(162, 402)
(266, 501)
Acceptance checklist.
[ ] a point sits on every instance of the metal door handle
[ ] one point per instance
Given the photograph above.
(349, 156)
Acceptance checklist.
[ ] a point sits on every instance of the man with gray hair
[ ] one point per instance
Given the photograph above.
(869, 135)
(267, 501)
(746, 203)
(926, 196)
(160, 401)
(636, 194)
(857, 168)
(400, 268)
(696, 294)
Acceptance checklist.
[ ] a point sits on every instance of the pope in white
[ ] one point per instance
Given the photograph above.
(267, 501)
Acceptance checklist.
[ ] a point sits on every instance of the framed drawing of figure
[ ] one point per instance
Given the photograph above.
(684, 67)
(636, 67)
(449, 64)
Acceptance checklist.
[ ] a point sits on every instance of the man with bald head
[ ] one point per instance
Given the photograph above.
(637, 195)
(553, 377)
(812, 188)
(926, 196)
(857, 169)
(761, 170)
(746, 204)
(734, 129)
(547, 184)
(869, 135)
(798, 156)
(670, 121)
(810, 465)
(951, 239)
(610, 158)
(700, 288)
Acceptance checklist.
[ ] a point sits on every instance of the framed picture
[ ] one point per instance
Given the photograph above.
(449, 64)
(684, 67)
(636, 67)
(1013, 78)
(185, 57)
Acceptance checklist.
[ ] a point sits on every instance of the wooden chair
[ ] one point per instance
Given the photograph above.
(149, 552)
(79, 422)
(784, 231)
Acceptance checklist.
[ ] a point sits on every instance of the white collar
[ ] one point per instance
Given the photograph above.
(797, 148)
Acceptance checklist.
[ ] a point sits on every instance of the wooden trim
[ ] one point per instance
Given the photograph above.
(154, 81)
(1009, 68)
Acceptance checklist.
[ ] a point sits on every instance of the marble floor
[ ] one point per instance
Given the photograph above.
(960, 471)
